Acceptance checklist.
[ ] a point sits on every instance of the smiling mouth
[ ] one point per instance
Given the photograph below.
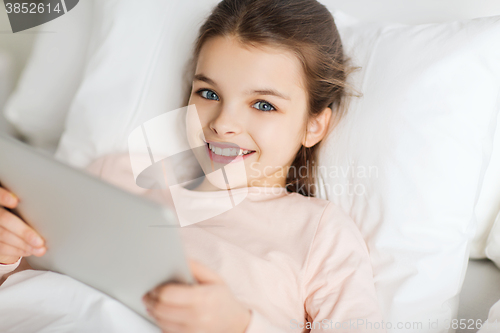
(228, 151)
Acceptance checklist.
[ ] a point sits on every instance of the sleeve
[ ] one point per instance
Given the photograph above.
(338, 284)
(5, 269)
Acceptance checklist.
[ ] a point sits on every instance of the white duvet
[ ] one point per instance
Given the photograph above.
(42, 301)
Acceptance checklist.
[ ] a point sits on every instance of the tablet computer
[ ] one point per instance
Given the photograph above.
(114, 241)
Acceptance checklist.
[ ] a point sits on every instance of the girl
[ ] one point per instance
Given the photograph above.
(268, 84)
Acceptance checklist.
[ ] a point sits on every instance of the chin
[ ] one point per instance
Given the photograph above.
(217, 180)
(235, 179)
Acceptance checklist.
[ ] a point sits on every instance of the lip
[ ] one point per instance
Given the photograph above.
(225, 159)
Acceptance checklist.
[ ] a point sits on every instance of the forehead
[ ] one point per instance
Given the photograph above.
(227, 61)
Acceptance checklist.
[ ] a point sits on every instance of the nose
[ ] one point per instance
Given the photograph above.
(226, 123)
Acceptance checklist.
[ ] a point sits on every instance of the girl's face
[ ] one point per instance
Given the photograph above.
(251, 99)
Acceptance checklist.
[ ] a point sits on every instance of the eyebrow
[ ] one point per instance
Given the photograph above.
(267, 91)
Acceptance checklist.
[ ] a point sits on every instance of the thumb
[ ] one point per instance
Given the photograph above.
(204, 274)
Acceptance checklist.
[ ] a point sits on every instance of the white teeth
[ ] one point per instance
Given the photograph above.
(228, 151)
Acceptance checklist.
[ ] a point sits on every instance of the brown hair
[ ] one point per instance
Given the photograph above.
(306, 28)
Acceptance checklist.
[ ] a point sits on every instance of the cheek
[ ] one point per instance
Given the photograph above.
(207, 111)
(195, 123)
(278, 140)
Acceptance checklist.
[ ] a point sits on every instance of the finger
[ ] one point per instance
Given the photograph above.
(167, 327)
(171, 314)
(12, 239)
(14, 224)
(8, 199)
(174, 294)
(9, 250)
(204, 274)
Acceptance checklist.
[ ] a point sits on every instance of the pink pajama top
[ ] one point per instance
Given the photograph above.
(300, 264)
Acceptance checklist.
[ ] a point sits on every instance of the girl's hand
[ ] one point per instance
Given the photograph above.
(17, 239)
(208, 307)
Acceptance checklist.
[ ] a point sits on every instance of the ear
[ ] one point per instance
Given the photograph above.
(317, 127)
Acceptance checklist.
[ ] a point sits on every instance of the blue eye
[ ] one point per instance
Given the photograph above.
(208, 94)
(264, 106)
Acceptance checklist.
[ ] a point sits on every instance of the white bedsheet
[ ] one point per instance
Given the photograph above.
(42, 301)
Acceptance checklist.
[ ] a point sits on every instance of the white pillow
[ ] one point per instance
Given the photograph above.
(416, 218)
(488, 203)
(493, 242)
(425, 127)
(39, 105)
(135, 72)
